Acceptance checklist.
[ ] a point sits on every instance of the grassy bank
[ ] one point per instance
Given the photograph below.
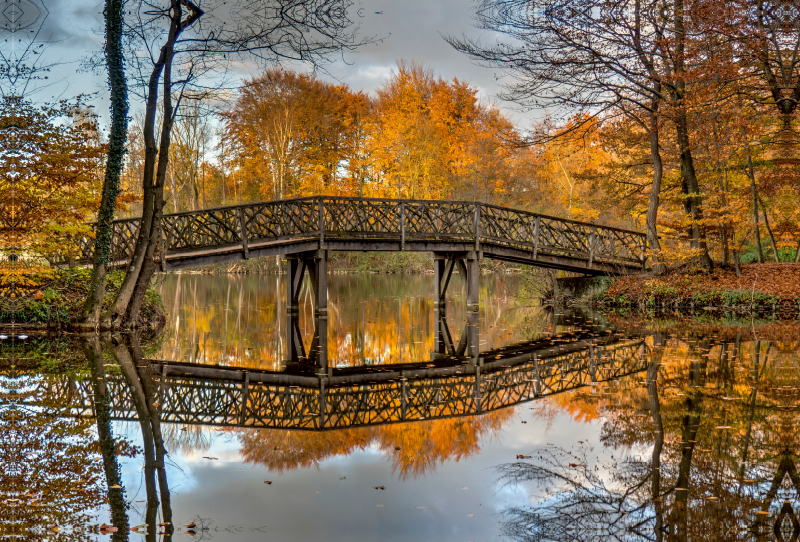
(55, 302)
(761, 288)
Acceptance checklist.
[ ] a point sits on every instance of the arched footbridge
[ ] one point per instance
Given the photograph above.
(458, 233)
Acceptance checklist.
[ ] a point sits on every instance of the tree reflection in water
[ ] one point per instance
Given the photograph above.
(415, 448)
(705, 449)
(58, 471)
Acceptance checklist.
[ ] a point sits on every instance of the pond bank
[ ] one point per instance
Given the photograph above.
(55, 302)
(769, 289)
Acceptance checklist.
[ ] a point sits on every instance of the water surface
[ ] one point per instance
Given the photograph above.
(559, 427)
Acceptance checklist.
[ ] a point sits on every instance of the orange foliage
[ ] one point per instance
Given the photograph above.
(415, 448)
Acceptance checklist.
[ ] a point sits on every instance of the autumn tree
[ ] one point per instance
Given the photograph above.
(173, 59)
(50, 166)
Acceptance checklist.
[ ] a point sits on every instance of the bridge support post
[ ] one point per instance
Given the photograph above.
(473, 349)
(297, 351)
(442, 270)
(472, 275)
(296, 268)
(320, 345)
(318, 268)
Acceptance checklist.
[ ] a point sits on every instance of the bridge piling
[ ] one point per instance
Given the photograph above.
(318, 268)
(471, 277)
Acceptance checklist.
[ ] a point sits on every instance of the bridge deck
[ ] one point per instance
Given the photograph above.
(308, 224)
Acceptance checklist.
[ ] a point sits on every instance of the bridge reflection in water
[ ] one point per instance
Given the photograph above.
(458, 380)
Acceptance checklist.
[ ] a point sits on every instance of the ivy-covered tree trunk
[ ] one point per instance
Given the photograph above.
(116, 154)
(142, 268)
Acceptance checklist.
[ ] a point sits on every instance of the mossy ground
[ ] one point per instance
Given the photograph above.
(760, 288)
(58, 300)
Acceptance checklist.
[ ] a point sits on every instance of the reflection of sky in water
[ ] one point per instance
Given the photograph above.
(233, 496)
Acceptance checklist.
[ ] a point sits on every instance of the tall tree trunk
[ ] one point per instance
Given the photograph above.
(655, 190)
(104, 230)
(769, 230)
(142, 267)
(754, 194)
(691, 188)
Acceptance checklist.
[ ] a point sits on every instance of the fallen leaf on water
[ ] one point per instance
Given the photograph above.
(520, 456)
(397, 447)
(191, 533)
(343, 477)
(105, 528)
(191, 525)
(212, 458)
(268, 482)
(573, 465)
(115, 486)
(378, 487)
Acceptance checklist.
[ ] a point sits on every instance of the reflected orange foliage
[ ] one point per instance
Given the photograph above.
(416, 449)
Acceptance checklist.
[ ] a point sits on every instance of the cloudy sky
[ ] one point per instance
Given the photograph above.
(410, 30)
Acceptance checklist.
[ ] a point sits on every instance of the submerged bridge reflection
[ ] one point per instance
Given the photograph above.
(457, 381)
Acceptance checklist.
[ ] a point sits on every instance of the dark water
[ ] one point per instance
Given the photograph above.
(542, 426)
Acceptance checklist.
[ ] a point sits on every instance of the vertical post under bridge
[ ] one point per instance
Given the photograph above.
(468, 266)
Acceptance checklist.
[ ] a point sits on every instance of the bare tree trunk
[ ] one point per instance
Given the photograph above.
(104, 230)
(137, 280)
(120, 307)
(754, 193)
(655, 190)
(769, 231)
(691, 189)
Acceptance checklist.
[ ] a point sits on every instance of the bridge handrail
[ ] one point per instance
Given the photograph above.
(412, 219)
(385, 200)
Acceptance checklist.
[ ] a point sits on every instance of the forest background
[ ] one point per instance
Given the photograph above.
(681, 124)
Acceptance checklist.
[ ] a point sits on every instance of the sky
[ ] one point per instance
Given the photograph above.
(412, 30)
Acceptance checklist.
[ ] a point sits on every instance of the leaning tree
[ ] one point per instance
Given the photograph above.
(179, 50)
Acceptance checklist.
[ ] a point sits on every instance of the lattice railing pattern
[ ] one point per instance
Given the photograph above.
(281, 219)
(435, 218)
(222, 403)
(345, 216)
(362, 219)
(201, 230)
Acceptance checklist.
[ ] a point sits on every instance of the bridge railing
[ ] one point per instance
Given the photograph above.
(345, 218)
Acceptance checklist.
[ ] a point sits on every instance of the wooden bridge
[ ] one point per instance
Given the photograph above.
(458, 233)
(449, 385)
